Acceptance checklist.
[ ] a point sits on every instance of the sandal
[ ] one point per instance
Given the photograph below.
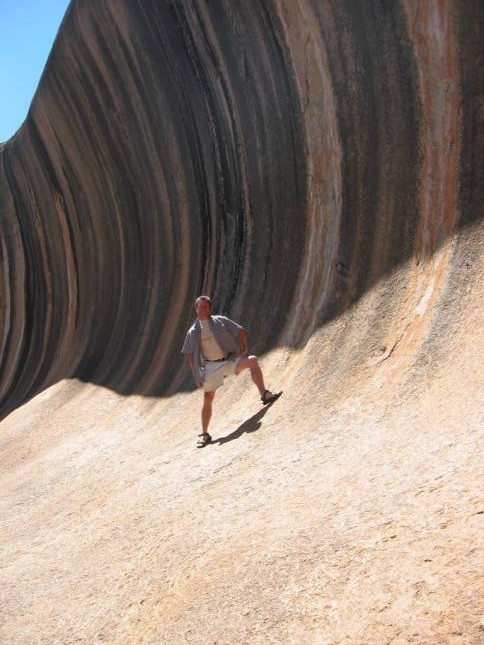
(204, 441)
(268, 397)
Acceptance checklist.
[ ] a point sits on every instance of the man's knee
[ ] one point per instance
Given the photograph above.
(253, 362)
(249, 362)
(208, 397)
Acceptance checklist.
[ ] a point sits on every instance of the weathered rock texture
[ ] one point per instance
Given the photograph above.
(317, 167)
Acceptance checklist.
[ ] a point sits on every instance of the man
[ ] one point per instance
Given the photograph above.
(216, 347)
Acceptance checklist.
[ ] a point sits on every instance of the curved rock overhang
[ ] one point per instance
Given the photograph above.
(288, 157)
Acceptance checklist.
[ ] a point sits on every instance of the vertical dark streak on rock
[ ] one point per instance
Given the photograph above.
(378, 111)
(470, 19)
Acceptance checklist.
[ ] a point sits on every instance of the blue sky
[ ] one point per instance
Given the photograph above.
(27, 32)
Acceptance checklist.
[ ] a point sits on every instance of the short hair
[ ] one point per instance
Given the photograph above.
(205, 299)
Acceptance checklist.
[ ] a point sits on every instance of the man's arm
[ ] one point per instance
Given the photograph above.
(244, 343)
(189, 358)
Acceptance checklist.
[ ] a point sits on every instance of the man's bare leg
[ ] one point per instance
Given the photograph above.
(251, 363)
(208, 398)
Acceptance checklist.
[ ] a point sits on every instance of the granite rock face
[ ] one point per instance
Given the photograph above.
(316, 166)
(283, 156)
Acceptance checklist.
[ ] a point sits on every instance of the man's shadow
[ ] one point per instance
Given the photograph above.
(251, 425)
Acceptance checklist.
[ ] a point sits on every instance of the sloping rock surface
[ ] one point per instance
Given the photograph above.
(317, 168)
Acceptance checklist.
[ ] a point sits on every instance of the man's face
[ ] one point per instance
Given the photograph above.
(203, 309)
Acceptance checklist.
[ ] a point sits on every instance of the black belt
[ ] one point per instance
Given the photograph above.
(218, 360)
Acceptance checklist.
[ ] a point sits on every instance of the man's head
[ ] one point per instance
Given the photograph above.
(203, 307)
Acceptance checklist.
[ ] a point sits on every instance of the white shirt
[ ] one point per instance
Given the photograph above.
(210, 348)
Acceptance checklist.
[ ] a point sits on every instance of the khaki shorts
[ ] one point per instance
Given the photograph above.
(215, 374)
